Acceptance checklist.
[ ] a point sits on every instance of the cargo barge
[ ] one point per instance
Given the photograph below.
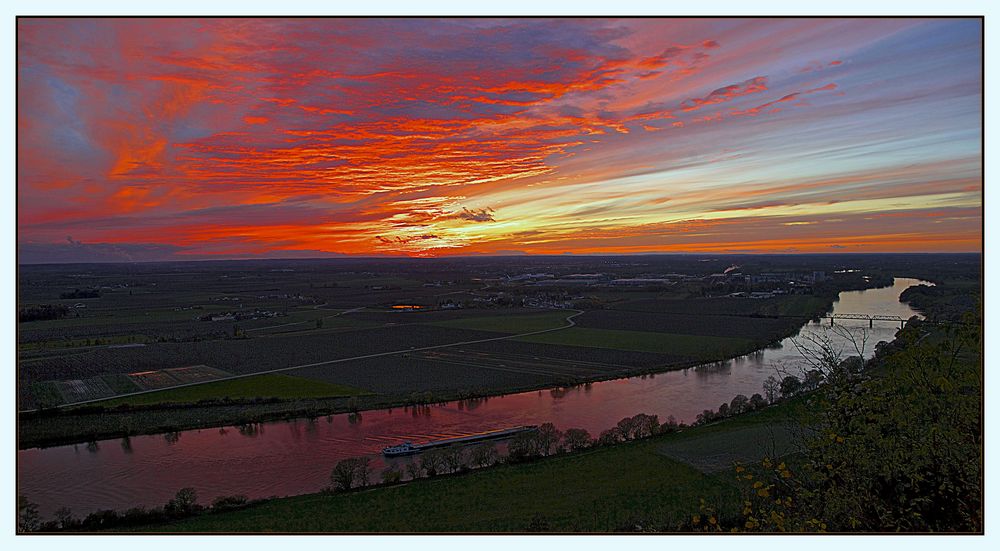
(409, 448)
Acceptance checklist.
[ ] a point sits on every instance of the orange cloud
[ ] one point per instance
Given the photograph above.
(754, 85)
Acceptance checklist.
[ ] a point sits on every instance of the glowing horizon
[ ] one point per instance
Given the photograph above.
(166, 139)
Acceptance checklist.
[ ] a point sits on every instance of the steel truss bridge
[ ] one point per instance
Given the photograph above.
(870, 318)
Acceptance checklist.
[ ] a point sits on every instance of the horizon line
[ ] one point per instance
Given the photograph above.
(471, 256)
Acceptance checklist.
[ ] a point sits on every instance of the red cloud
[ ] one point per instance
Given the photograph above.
(817, 66)
(770, 106)
(726, 93)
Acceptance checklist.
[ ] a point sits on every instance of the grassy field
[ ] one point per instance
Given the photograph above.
(571, 493)
(272, 385)
(773, 432)
(510, 324)
(701, 346)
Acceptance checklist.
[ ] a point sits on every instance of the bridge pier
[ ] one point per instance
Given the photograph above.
(831, 321)
(871, 323)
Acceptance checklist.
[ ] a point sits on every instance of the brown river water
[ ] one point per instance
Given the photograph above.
(295, 457)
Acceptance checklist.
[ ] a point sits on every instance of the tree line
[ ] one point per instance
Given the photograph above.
(546, 440)
(40, 312)
(183, 504)
(775, 390)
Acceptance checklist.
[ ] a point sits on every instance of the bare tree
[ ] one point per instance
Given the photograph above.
(825, 350)
(342, 476)
(432, 462)
(670, 425)
(627, 427)
(414, 469)
(362, 470)
(391, 474)
(523, 446)
(484, 455)
(739, 404)
(577, 439)
(454, 458)
(548, 437)
(771, 387)
(184, 502)
(609, 437)
(351, 472)
(645, 425)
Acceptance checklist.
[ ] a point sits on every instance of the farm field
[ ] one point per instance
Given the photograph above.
(249, 355)
(51, 393)
(513, 323)
(311, 322)
(479, 368)
(701, 346)
(382, 316)
(403, 376)
(271, 385)
(473, 370)
(623, 360)
(789, 305)
(755, 329)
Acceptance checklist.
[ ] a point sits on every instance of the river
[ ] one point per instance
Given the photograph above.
(295, 457)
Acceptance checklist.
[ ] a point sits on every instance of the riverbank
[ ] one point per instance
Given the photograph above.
(88, 424)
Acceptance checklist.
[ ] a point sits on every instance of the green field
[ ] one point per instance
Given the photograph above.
(510, 324)
(700, 346)
(718, 452)
(271, 385)
(603, 490)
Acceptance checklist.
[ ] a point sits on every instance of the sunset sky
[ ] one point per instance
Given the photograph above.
(165, 139)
